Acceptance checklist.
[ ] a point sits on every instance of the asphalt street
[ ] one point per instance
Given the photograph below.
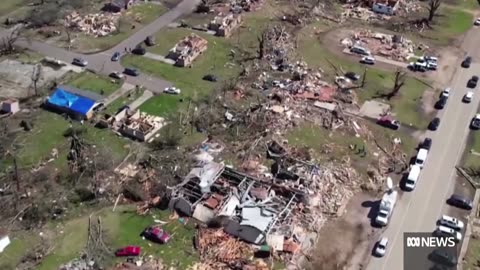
(418, 211)
(101, 63)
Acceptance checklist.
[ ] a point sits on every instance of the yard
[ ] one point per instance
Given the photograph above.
(8, 6)
(121, 101)
(472, 258)
(472, 151)
(95, 83)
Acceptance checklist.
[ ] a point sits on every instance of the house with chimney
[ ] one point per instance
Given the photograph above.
(187, 50)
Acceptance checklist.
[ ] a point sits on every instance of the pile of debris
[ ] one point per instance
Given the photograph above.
(98, 25)
(277, 47)
(239, 6)
(82, 263)
(219, 250)
(394, 47)
(149, 263)
(361, 13)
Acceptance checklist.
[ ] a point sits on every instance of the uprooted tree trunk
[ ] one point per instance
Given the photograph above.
(432, 7)
(398, 84)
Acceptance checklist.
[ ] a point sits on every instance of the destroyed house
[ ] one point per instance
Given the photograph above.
(136, 124)
(248, 208)
(77, 103)
(224, 25)
(117, 5)
(387, 7)
(187, 50)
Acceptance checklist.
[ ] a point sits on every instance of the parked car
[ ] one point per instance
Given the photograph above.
(172, 90)
(432, 65)
(430, 59)
(467, 98)
(418, 66)
(54, 61)
(381, 247)
(139, 50)
(443, 231)
(426, 144)
(367, 60)
(460, 202)
(451, 222)
(131, 72)
(80, 62)
(434, 124)
(445, 92)
(352, 76)
(389, 122)
(477, 22)
(475, 124)
(441, 103)
(156, 234)
(360, 50)
(117, 75)
(150, 41)
(472, 83)
(443, 257)
(467, 62)
(210, 78)
(115, 56)
(128, 251)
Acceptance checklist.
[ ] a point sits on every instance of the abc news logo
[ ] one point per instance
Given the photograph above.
(431, 242)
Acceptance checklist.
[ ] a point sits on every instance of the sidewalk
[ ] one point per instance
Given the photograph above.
(159, 57)
(140, 100)
(126, 87)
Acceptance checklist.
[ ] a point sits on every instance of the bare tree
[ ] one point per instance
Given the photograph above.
(9, 41)
(36, 77)
(68, 32)
(432, 7)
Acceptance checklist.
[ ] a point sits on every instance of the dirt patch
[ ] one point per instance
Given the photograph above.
(449, 58)
(429, 98)
(346, 243)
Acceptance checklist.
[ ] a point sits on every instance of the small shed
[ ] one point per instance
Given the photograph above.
(10, 106)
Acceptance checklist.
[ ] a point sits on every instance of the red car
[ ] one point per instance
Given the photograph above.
(128, 251)
(389, 122)
(156, 234)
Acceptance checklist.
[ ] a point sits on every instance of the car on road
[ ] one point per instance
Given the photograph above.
(475, 124)
(131, 72)
(156, 234)
(451, 222)
(446, 92)
(128, 251)
(443, 257)
(472, 83)
(80, 62)
(467, 62)
(117, 75)
(426, 144)
(467, 98)
(172, 90)
(460, 202)
(477, 22)
(210, 78)
(434, 124)
(440, 104)
(443, 231)
(367, 60)
(381, 247)
(115, 56)
(352, 76)
(389, 122)
(139, 50)
(360, 50)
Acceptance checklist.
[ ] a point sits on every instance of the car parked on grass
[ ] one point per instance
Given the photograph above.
(460, 202)
(467, 98)
(128, 251)
(467, 62)
(352, 76)
(475, 124)
(117, 75)
(150, 41)
(443, 257)
(367, 60)
(426, 144)
(472, 83)
(80, 62)
(172, 90)
(381, 247)
(210, 78)
(434, 124)
(440, 104)
(451, 222)
(389, 122)
(115, 56)
(156, 234)
(131, 72)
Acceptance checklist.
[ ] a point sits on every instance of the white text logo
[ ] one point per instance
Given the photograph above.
(434, 242)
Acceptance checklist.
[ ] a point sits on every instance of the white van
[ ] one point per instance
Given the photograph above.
(412, 177)
(360, 50)
(421, 157)
(448, 232)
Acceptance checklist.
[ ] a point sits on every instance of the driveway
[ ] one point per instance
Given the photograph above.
(419, 210)
(101, 63)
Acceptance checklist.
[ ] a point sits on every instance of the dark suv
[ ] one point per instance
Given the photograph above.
(460, 202)
(131, 72)
(441, 103)
(467, 62)
(443, 257)
(472, 83)
(426, 144)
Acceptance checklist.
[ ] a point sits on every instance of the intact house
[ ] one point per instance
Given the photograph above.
(387, 7)
(78, 104)
(117, 5)
(187, 50)
(224, 25)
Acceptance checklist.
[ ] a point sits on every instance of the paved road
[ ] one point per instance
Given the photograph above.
(101, 63)
(419, 210)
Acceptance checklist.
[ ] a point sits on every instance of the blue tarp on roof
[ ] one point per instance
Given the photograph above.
(76, 103)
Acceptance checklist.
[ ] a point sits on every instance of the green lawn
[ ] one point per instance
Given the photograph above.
(472, 160)
(448, 25)
(121, 101)
(21, 243)
(464, 4)
(406, 105)
(189, 80)
(95, 83)
(122, 228)
(133, 20)
(473, 254)
(8, 6)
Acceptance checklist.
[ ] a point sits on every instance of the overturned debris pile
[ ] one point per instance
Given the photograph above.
(219, 250)
(276, 47)
(82, 263)
(98, 25)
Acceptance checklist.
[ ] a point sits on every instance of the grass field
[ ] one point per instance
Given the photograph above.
(448, 25)
(473, 254)
(121, 101)
(8, 6)
(95, 83)
(473, 144)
